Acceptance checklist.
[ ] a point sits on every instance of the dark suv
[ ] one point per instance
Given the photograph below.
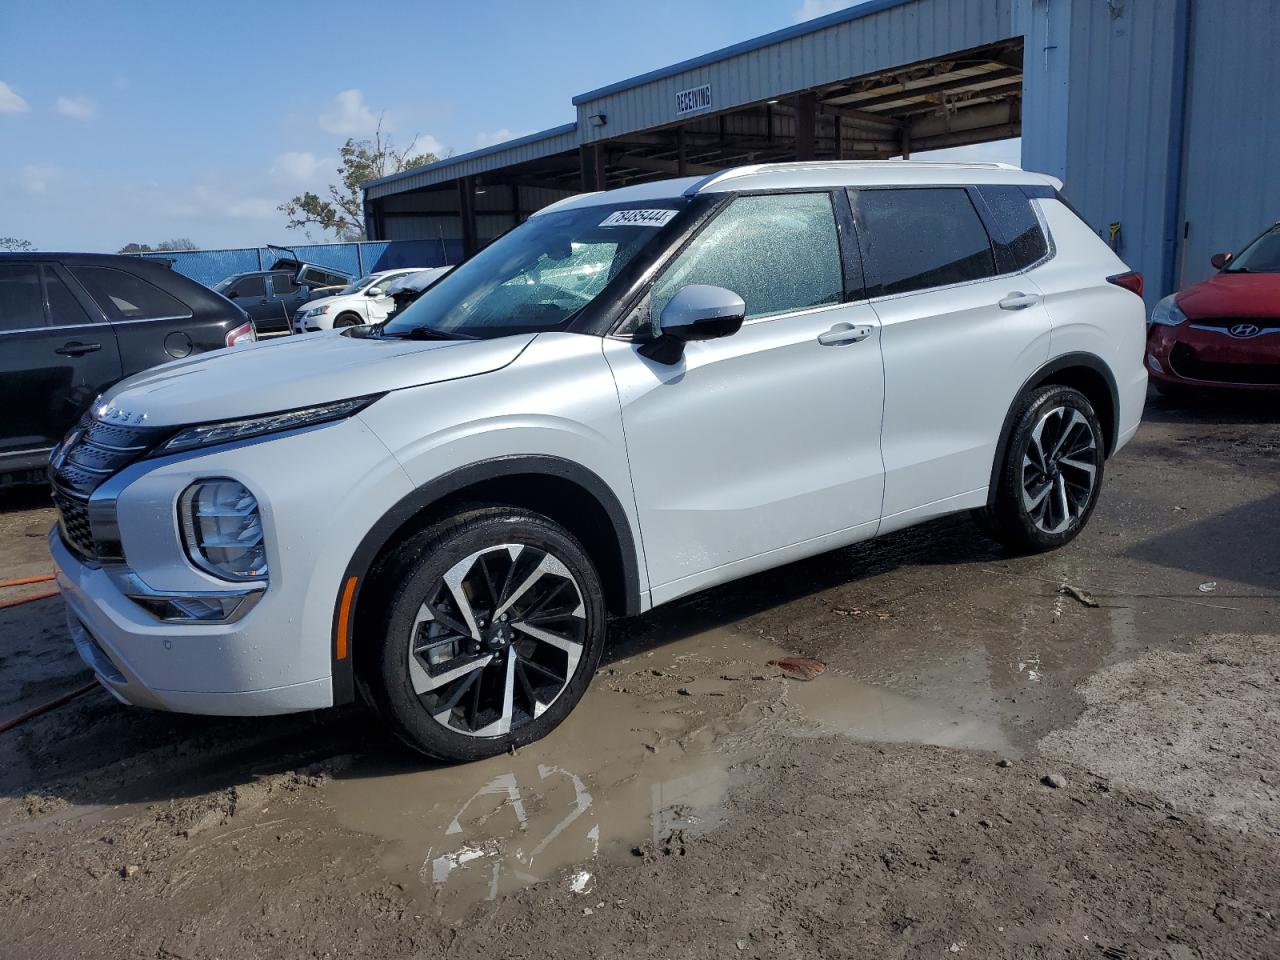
(72, 324)
(271, 297)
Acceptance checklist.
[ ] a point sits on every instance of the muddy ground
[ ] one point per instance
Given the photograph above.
(699, 803)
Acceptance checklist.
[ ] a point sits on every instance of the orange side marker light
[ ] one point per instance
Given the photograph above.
(344, 617)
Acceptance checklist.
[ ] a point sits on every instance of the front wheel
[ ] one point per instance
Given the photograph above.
(347, 320)
(495, 625)
(1048, 483)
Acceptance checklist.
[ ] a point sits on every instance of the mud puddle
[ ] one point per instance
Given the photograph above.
(645, 762)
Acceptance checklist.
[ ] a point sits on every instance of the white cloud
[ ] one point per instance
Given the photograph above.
(349, 116)
(77, 108)
(10, 101)
(812, 9)
(497, 136)
(302, 168)
(35, 177)
(425, 143)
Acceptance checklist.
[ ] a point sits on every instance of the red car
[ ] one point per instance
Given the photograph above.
(1225, 331)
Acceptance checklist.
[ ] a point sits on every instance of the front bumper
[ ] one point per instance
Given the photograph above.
(198, 668)
(1192, 356)
(320, 489)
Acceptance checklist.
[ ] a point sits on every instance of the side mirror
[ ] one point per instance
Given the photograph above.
(696, 312)
(375, 292)
(1220, 260)
(233, 295)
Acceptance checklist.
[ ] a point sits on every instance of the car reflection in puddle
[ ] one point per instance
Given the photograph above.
(647, 758)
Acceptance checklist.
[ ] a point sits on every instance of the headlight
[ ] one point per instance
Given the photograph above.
(222, 529)
(316, 311)
(224, 432)
(1166, 312)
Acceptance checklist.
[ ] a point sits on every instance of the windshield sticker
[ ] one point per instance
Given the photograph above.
(638, 218)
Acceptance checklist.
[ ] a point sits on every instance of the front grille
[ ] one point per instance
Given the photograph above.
(91, 453)
(1226, 323)
(1187, 364)
(73, 521)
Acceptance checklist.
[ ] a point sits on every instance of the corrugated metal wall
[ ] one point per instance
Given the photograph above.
(899, 35)
(357, 259)
(1232, 169)
(1119, 120)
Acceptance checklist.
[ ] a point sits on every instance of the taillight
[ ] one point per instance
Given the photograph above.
(241, 334)
(1131, 281)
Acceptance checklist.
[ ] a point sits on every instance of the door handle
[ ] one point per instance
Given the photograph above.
(1018, 301)
(75, 348)
(844, 333)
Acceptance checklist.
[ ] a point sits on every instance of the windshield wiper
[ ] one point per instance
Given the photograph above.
(428, 333)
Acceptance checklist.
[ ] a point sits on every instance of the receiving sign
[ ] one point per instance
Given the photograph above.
(638, 218)
(693, 100)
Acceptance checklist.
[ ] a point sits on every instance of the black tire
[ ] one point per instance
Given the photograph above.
(347, 320)
(414, 575)
(1049, 524)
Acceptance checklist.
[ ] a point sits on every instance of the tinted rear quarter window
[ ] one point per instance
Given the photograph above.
(1015, 230)
(921, 237)
(124, 296)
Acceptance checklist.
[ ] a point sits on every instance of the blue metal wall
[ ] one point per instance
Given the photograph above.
(1231, 174)
(357, 259)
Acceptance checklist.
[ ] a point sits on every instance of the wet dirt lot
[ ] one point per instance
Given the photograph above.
(699, 803)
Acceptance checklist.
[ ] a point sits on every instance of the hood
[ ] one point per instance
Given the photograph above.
(291, 372)
(1233, 295)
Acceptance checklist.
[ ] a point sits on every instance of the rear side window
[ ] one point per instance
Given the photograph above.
(914, 239)
(124, 296)
(1015, 231)
(779, 253)
(64, 308)
(21, 305)
(283, 285)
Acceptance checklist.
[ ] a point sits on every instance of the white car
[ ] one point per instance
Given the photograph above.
(364, 301)
(633, 396)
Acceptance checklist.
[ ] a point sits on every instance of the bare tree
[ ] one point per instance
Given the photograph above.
(16, 245)
(362, 160)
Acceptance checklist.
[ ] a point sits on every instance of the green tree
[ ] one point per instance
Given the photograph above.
(177, 243)
(16, 245)
(343, 211)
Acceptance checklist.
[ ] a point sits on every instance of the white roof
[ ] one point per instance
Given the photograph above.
(819, 175)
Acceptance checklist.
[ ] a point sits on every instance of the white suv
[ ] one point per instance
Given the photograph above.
(631, 397)
(364, 301)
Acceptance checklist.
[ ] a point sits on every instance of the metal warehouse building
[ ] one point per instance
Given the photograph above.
(1161, 117)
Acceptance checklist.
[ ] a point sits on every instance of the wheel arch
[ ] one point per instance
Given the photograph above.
(565, 491)
(342, 314)
(1086, 372)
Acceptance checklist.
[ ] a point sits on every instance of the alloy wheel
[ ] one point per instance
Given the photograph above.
(497, 640)
(1059, 469)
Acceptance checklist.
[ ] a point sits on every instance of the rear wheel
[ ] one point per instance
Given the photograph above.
(495, 625)
(1049, 481)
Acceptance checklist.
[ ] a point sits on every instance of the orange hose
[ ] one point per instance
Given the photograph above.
(35, 596)
(46, 707)
(23, 581)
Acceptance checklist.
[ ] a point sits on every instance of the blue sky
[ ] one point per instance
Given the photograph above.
(141, 121)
